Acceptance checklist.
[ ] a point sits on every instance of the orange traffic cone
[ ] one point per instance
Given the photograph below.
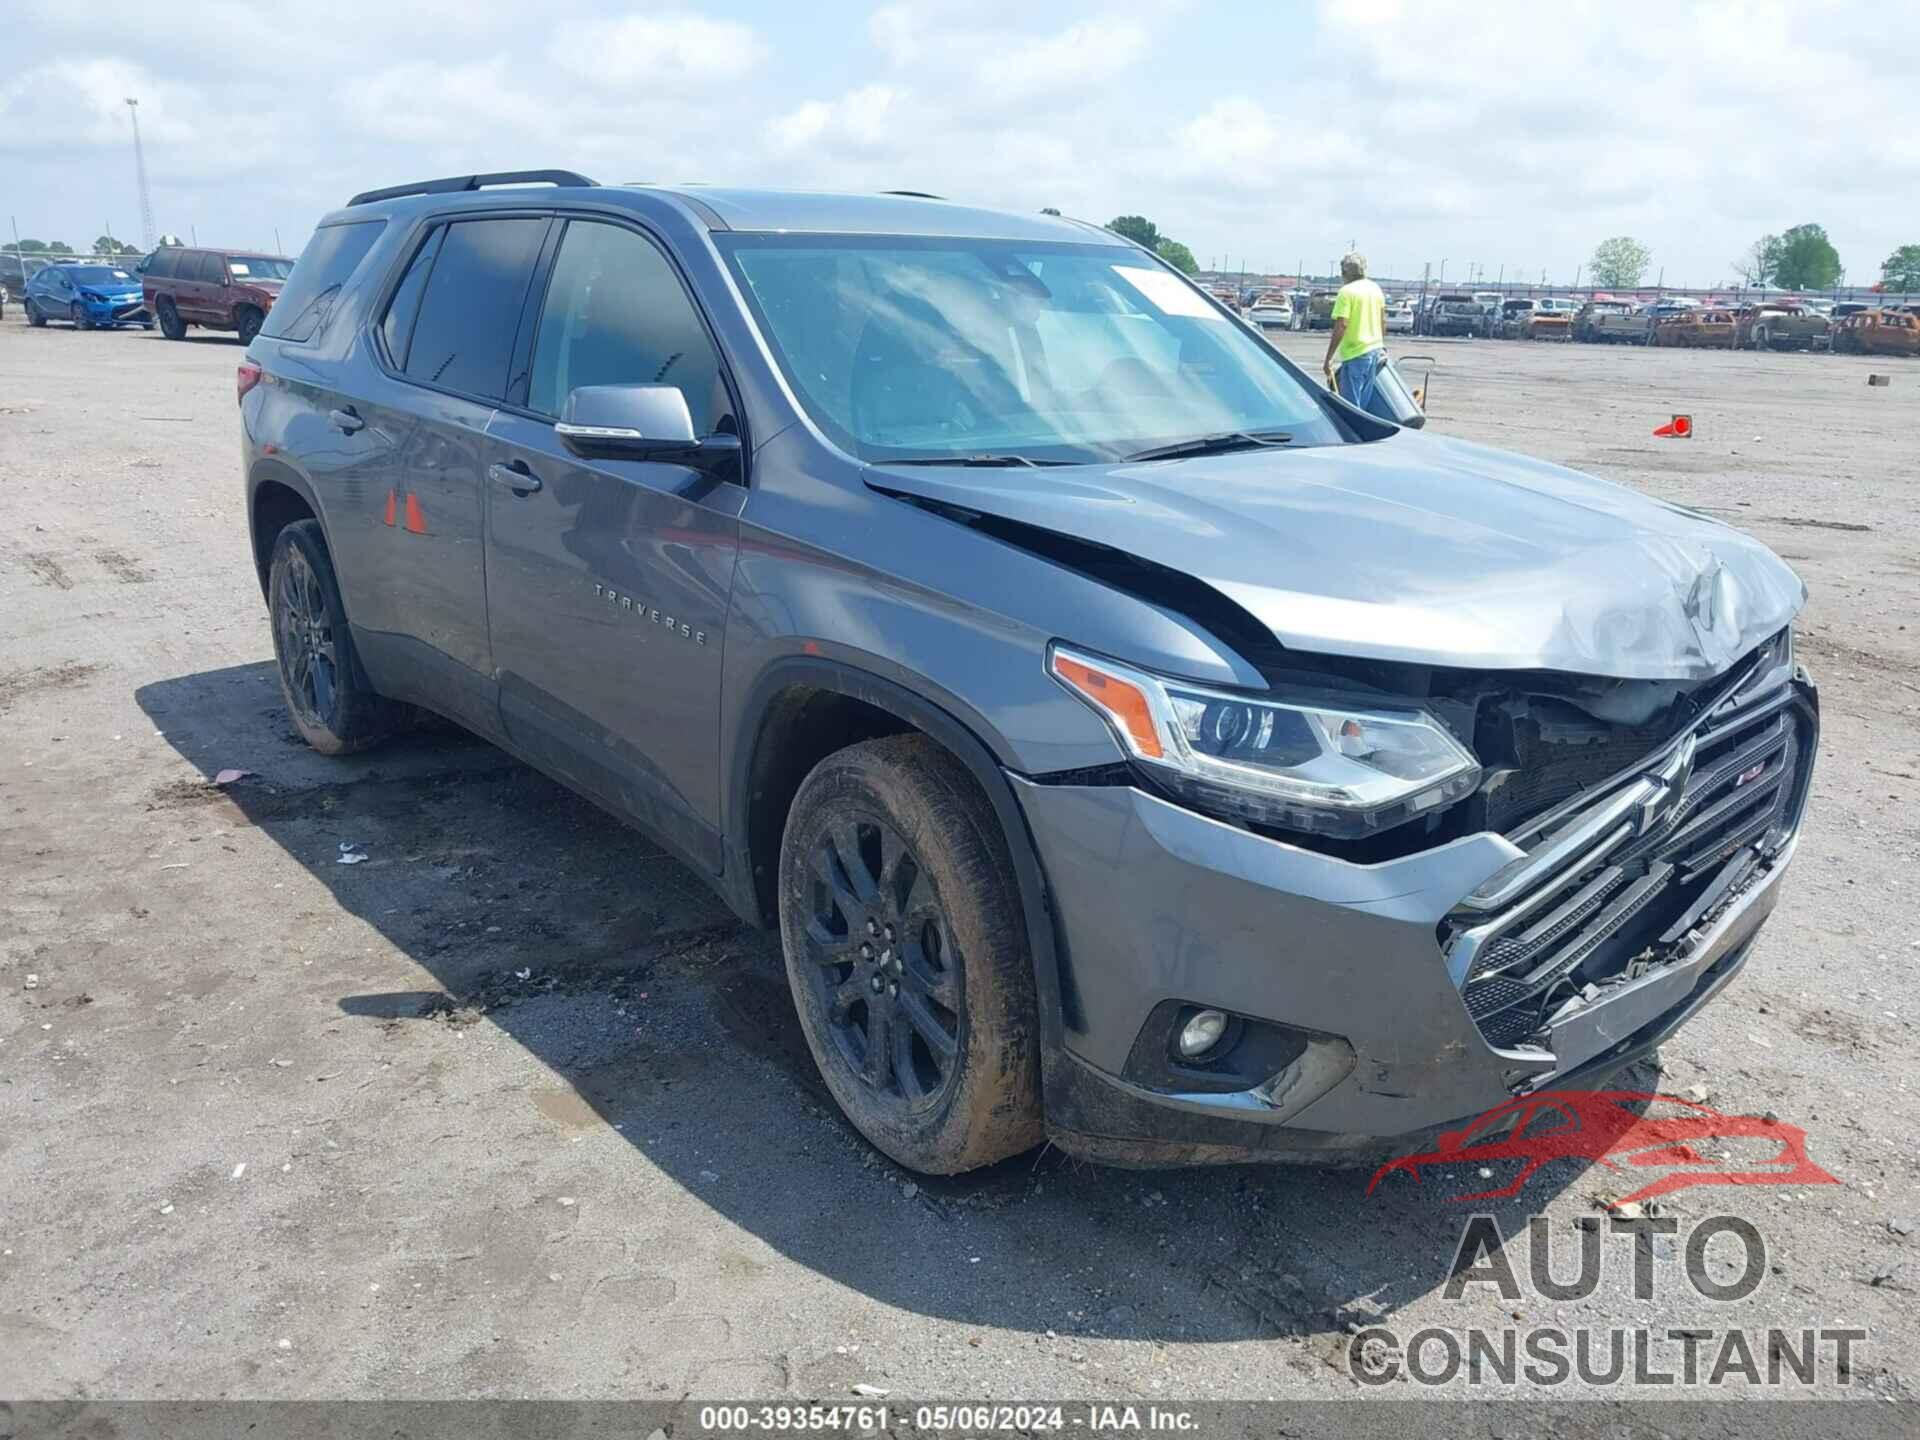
(1680, 427)
(390, 504)
(416, 522)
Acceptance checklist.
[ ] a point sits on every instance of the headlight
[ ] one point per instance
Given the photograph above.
(1313, 763)
(90, 295)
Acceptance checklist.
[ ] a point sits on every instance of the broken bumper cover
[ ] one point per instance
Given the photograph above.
(1160, 909)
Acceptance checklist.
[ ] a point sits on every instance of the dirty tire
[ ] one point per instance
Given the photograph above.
(171, 325)
(247, 322)
(81, 318)
(34, 317)
(329, 698)
(931, 860)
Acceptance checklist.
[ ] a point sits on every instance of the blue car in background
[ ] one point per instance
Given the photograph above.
(90, 297)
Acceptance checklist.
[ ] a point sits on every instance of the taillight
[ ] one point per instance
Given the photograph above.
(245, 376)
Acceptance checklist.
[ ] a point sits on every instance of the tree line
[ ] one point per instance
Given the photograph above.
(1799, 258)
(102, 245)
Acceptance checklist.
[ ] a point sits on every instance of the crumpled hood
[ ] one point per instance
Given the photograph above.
(1419, 548)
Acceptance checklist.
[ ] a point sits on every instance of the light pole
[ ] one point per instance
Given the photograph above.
(140, 174)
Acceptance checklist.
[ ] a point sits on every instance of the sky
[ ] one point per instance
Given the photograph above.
(1511, 137)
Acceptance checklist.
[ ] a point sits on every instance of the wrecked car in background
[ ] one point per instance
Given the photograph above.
(1534, 320)
(1169, 759)
(1459, 314)
(1877, 332)
(1603, 321)
(1696, 330)
(1779, 325)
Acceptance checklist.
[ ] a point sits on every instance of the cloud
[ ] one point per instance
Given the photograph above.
(1083, 55)
(423, 103)
(985, 48)
(84, 102)
(1422, 128)
(858, 120)
(681, 52)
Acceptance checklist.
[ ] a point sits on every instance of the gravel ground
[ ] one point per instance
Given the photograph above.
(515, 1108)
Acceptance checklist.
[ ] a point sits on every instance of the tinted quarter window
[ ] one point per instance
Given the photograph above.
(470, 312)
(324, 267)
(617, 314)
(161, 265)
(208, 268)
(396, 330)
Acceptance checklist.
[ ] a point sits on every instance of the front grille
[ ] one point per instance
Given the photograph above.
(1647, 879)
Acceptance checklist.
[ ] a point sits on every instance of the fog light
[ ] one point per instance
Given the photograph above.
(1202, 1033)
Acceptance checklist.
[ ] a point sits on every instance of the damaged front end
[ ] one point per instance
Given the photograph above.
(1623, 878)
(1603, 882)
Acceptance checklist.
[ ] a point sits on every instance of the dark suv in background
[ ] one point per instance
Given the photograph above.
(1133, 744)
(216, 289)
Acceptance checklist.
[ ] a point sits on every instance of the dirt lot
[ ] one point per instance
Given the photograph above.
(514, 1108)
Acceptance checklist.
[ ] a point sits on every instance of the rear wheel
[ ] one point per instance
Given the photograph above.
(248, 322)
(333, 705)
(34, 317)
(171, 325)
(907, 955)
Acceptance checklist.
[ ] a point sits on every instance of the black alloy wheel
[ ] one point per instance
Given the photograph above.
(309, 655)
(907, 953)
(882, 965)
(330, 699)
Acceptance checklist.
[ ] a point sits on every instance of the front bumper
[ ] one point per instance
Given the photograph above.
(1156, 904)
(116, 312)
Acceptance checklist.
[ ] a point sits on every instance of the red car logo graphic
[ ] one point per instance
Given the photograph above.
(1629, 1131)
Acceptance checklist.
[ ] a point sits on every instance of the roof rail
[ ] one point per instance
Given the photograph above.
(914, 194)
(455, 184)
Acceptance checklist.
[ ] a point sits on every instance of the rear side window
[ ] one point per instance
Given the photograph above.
(470, 313)
(616, 314)
(208, 268)
(396, 330)
(325, 266)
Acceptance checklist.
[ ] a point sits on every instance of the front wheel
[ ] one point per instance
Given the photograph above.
(77, 313)
(906, 951)
(334, 706)
(248, 323)
(171, 325)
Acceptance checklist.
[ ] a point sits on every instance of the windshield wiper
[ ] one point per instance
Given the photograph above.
(1214, 444)
(978, 461)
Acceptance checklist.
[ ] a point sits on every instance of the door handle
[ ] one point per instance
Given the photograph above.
(346, 421)
(515, 476)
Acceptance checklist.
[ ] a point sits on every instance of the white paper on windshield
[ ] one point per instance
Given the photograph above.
(1166, 293)
(238, 267)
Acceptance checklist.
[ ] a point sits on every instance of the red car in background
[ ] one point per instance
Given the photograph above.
(216, 289)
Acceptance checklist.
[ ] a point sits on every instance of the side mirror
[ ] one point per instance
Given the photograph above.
(640, 422)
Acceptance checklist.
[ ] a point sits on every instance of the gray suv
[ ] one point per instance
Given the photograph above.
(1134, 745)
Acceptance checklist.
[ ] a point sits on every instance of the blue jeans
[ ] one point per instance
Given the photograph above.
(1357, 384)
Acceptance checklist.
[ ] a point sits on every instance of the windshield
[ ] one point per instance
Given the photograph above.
(904, 348)
(258, 267)
(97, 275)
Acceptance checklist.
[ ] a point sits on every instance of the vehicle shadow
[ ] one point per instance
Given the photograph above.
(618, 969)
